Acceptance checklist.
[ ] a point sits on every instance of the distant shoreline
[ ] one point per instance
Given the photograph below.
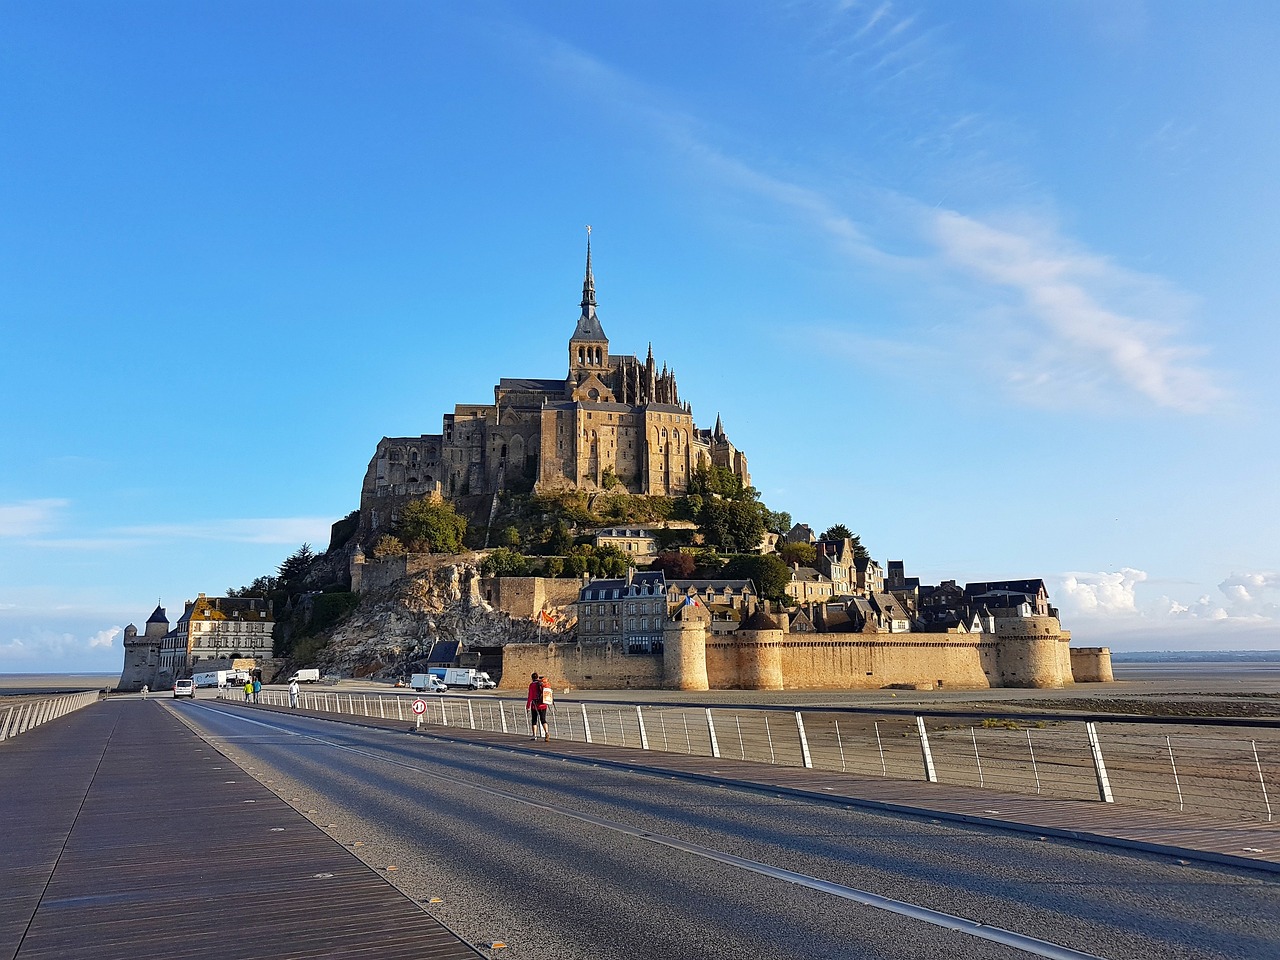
(1196, 656)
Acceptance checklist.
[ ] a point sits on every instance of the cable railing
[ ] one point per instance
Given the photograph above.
(24, 716)
(1215, 767)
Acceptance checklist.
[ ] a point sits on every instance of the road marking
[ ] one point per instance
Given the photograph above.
(973, 928)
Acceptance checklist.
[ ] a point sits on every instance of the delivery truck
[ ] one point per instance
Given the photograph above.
(427, 683)
(465, 677)
(220, 678)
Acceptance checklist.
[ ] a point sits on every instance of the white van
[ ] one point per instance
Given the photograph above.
(427, 683)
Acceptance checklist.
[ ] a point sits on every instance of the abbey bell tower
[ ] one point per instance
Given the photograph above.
(588, 347)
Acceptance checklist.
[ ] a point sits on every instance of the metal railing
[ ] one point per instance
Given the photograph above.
(1225, 768)
(22, 717)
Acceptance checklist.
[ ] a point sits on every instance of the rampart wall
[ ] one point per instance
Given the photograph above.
(583, 666)
(771, 660)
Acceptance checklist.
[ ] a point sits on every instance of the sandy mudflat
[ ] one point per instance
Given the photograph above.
(40, 684)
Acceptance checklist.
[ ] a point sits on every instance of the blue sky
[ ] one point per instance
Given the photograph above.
(993, 284)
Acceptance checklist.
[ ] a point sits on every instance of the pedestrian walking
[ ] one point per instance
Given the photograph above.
(257, 689)
(145, 691)
(248, 690)
(536, 703)
(293, 693)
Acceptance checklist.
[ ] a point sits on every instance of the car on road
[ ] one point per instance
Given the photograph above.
(184, 688)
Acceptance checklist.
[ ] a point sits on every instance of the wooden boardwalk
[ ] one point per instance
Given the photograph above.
(123, 834)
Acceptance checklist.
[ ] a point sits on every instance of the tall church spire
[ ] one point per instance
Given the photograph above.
(588, 284)
(588, 347)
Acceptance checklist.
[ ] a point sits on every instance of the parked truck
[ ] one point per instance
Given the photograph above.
(465, 677)
(220, 678)
(427, 683)
(307, 675)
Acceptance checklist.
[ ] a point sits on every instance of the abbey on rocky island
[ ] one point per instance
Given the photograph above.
(611, 421)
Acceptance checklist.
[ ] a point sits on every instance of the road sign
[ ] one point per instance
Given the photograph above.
(419, 706)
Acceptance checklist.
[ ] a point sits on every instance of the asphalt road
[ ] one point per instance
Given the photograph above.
(560, 859)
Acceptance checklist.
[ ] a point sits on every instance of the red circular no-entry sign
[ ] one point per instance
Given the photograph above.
(419, 706)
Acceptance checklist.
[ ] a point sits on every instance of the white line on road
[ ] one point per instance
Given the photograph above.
(974, 928)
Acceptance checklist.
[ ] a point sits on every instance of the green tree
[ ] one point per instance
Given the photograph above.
(769, 574)
(509, 537)
(555, 566)
(734, 526)
(431, 527)
(560, 542)
(779, 522)
(801, 553)
(297, 565)
(504, 562)
(840, 532)
(388, 546)
(715, 481)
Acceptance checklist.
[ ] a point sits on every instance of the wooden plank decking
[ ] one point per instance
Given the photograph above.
(124, 835)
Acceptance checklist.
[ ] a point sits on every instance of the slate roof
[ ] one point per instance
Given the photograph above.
(532, 384)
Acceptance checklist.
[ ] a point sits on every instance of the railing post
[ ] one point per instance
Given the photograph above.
(1099, 768)
(1261, 779)
(471, 713)
(644, 737)
(804, 741)
(8, 715)
(930, 774)
(586, 724)
(502, 710)
(711, 729)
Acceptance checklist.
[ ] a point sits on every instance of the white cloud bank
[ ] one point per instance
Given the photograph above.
(1109, 606)
(1101, 594)
(34, 648)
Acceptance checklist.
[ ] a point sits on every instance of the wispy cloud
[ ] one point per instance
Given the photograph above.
(28, 518)
(282, 530)
(1053, 322)
(261, 530)
(1077, 301)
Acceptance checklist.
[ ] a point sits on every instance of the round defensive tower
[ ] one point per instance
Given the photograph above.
(1027, 652)
(684, 647)
(142, 653)
(1091, 665)
(759, 641)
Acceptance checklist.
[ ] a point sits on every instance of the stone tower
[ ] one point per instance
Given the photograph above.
(759, 648)
(684, 647)
(1028, 655)
(142, 653)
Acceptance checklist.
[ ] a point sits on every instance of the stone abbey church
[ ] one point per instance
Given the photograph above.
(612, 422)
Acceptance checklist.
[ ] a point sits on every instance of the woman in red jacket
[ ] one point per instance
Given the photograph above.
(537, 709)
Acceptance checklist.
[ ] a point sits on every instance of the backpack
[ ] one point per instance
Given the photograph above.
(546, 698)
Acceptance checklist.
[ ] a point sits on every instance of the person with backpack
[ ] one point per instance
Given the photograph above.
(536, 703)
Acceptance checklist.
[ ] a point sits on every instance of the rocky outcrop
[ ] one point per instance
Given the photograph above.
(395, 625)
